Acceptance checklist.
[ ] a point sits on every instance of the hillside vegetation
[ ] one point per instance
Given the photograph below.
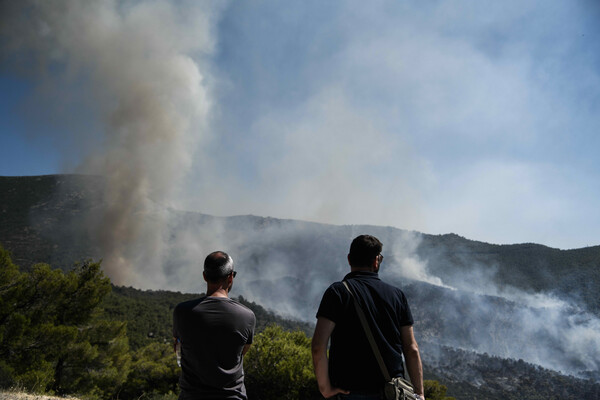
(476, 343)
(66, 333)
(43, 220)
(19, 395)
(572, 274)
(149, 314)
(57, 338)
(69, 334)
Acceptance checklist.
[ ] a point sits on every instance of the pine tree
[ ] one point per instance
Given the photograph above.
(52, 335)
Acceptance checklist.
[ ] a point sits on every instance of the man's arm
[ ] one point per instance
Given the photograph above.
(319, 354)
(413, 359)
(250, 334)
(245, 349)
(175, 330)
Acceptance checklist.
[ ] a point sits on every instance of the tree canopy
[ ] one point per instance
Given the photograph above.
(52, 335)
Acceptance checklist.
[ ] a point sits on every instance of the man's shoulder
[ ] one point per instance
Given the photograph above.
(336, 285)
(241, 307)
(382, 287)
(389, 286)
(335, 289)
(391, 289)
(228, 305)
(189, 304)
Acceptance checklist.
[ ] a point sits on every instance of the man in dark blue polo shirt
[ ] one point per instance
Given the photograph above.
(351, 371)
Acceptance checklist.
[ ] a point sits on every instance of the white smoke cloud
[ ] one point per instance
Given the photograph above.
(403, 261)
(430, 93)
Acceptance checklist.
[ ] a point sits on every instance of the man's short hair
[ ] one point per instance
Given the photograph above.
(363, 250)
(217, 266)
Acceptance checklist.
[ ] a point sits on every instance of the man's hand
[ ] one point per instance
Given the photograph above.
(329, 392)
(413, 359)
(245, 349)
(319, 353)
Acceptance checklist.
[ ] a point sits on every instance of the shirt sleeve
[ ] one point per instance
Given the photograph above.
(331, 305)
(406, 318)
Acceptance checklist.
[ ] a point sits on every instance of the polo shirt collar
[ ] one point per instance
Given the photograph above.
(365, 274)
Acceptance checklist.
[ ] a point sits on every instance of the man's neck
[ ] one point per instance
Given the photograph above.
(217, 292)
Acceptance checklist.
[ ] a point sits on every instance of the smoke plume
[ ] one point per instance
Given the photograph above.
(131, 70)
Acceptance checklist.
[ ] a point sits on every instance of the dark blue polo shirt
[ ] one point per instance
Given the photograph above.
(352, 364)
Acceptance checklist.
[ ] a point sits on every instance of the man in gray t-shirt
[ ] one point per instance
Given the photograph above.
(214, 333)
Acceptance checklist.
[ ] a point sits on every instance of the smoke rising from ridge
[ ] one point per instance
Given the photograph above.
(474, 311)
(286, 266)
(134, 65)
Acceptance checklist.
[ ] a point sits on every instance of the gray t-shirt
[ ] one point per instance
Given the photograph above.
(213, 332)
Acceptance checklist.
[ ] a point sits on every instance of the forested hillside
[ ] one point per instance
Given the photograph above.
(68, 333)
(493, 321)
(149, 314)
(44, 220)
(58, 327)
(573, 274)
(470, 375)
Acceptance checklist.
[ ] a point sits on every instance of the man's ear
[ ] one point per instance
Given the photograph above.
(375, 264)
(204, 276)
(348, 257)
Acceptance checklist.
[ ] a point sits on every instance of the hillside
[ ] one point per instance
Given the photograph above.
(467, 374)
(573, 274)
(149, 314)
(44, 219)
(40, 215)
(492, 320)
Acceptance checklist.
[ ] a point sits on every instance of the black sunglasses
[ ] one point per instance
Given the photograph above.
(234, 273)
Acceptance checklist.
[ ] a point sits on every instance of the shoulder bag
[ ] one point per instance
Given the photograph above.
(395, 388)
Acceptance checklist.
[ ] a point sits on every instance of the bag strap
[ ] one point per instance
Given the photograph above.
(365, 324)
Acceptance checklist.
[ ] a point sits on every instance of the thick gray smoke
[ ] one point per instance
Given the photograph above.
(472, 311)
(287, 265)
(133, 68)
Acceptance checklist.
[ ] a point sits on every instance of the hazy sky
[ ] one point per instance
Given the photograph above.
(480, 118)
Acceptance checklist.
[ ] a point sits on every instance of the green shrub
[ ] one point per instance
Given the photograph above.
(279, 366)
(435, 391)
(52, 335)
(154, 373)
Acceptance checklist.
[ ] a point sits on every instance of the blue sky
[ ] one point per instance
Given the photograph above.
(474, 117)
